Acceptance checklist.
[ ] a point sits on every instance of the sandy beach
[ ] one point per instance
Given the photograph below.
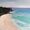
(6, 24)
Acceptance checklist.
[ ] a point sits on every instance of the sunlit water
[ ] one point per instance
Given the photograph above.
(21, 17)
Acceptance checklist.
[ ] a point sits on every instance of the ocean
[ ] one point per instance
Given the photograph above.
(22, 18)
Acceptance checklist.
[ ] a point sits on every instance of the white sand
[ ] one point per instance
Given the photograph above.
(6, 24)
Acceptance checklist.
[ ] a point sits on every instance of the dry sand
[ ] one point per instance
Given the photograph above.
(6, 24)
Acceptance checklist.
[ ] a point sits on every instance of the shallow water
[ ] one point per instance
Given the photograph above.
(22, 17)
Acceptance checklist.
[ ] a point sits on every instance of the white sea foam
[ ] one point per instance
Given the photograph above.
(26, 26)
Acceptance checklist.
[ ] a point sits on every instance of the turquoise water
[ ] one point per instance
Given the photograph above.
(22, 16)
